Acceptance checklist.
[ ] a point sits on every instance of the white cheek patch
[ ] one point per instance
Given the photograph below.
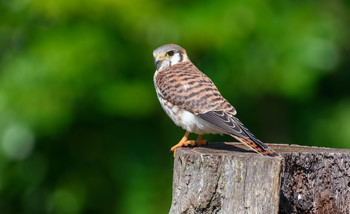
(165, 63)
(176, 59)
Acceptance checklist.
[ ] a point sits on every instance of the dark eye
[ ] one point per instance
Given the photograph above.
(170, 53)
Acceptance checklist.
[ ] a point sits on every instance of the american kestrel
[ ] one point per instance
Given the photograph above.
(193, 102)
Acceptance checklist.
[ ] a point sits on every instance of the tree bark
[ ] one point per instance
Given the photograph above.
(226, 178)
(315, 180)
(219, 179)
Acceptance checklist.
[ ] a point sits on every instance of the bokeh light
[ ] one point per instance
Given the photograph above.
(81, 128)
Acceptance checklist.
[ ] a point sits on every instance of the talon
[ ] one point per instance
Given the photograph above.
(200, 141)
(190, 143)
(183, 142)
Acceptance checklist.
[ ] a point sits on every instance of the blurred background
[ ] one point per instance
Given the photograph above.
(81, 129)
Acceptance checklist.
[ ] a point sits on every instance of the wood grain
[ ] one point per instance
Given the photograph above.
(226, 178)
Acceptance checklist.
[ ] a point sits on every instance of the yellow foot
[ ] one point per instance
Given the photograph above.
(181, 144)
(200, 141)
(185, 142)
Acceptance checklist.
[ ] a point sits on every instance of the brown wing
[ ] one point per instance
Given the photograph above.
(185, 86)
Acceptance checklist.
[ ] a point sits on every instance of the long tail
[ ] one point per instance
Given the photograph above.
(258, 146)
(251, 141)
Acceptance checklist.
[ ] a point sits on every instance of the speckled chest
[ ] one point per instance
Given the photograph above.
(183, 118)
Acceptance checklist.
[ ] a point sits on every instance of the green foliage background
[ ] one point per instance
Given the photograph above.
(81, 129)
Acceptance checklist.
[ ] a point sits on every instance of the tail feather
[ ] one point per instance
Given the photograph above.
(258, 146)
(246, 137)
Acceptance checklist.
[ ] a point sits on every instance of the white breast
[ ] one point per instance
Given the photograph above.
(184, 118)
(187, 120)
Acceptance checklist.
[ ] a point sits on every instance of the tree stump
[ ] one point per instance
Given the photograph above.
(226, 178)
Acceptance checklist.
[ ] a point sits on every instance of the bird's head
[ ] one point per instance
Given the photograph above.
(169, 55)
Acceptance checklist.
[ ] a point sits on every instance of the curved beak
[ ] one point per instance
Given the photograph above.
(158, 61)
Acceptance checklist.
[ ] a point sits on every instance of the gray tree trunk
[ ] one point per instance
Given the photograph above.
(225, 178)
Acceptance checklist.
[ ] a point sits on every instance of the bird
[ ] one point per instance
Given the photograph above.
(193, 102)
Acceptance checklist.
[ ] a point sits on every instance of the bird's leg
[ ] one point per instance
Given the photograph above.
(183, 142)
(200, 141)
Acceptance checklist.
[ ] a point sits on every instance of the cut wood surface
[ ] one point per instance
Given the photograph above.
(228, 178)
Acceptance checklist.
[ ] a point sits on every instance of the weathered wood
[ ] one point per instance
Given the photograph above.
(220, 179)
(226, 178)
(315, 180)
